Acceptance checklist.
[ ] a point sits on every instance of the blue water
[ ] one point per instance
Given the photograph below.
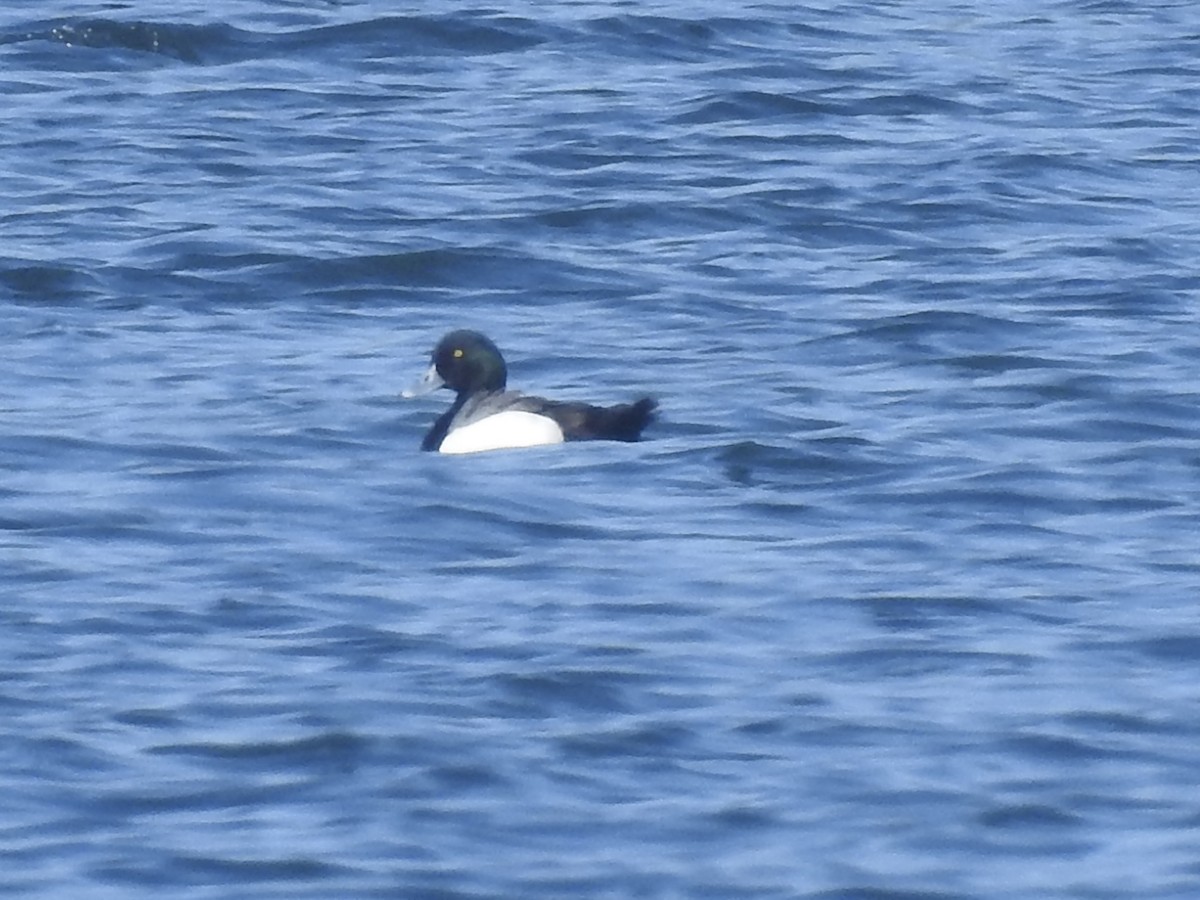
(898, 599)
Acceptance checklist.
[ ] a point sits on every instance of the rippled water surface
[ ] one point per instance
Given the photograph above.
(897, 600)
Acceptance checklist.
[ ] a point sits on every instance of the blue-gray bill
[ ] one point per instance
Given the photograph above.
(428, 383)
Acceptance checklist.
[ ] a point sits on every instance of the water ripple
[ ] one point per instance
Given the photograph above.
(903, 576)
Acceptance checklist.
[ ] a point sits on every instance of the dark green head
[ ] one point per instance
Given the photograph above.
(467, 363)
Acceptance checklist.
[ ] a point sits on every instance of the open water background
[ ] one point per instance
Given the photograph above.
(898, 600)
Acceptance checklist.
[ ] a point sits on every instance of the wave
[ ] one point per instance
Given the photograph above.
(221, 43)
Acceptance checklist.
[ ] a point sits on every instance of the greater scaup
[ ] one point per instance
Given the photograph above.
(484, 416)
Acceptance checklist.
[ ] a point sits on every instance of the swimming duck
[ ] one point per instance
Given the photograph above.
(485, 416)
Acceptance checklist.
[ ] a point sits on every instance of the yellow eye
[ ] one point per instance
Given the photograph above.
(458, 354)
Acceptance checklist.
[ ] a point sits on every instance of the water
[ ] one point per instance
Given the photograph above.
(896, 601)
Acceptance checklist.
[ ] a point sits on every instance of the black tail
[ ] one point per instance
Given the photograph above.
(581, 422)
(625, 422)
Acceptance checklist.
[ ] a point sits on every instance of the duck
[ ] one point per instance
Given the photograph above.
(487, 416)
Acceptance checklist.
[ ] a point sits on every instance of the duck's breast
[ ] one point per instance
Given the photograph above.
(508, 429)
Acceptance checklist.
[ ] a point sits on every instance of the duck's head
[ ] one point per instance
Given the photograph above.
(466, 362)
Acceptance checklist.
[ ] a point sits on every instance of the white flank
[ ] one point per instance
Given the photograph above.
(512, 428)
